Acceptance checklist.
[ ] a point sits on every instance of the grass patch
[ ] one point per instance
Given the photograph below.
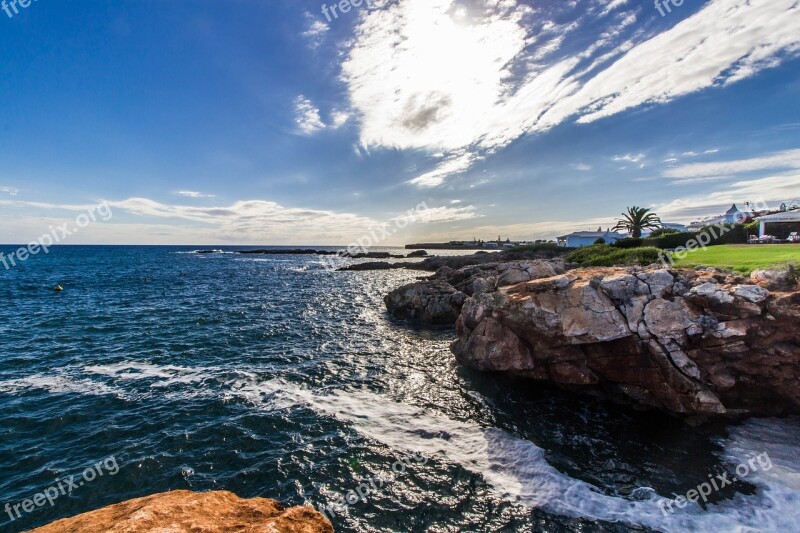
(605, 255)
(743, 258)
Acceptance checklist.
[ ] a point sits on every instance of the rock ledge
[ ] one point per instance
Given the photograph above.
(184, 511)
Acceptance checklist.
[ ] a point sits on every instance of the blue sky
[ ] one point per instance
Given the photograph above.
(263, 122)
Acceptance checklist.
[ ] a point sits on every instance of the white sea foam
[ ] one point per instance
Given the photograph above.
(59, 384)
(515, 468)
(518, 470)
(162, 376)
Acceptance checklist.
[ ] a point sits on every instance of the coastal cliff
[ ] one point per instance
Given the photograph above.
(180, 510)
(689, 342)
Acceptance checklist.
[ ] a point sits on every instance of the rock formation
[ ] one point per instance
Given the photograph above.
(439, 300)
(691, 342)
(434, 302)
(184, 511)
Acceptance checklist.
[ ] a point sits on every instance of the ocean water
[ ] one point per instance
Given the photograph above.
(271, 376)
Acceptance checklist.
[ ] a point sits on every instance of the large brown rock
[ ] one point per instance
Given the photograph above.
(699, 343)
(184, 511)
(439, 300)
(435, 302)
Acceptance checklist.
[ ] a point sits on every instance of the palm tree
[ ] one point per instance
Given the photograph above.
(636, 220)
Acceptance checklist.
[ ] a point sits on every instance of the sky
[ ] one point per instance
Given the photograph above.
(291, 122)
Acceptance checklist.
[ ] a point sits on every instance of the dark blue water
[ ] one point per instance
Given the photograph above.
(271, 376)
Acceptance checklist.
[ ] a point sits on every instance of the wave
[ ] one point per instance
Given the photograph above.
(516, 469)
(59, 384)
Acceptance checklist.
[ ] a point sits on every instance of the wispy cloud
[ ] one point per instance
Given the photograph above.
(11, 191)
(423, 75)
(194, 194)
(307, 116)
(447, 214)
(315, 30)
(630, 158)
(773, 189)
(339, 118)
(456, 163)
(786, 160)
(247, 221)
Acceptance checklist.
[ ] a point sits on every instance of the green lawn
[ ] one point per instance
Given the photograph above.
(743, 257)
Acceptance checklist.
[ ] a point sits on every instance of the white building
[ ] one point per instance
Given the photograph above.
(581, 239)
(788, 216)
(732, 216)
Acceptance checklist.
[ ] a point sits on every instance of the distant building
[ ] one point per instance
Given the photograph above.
(683, 228)
(667, 225)
(788, 217)
(581, 239)
(732, 216)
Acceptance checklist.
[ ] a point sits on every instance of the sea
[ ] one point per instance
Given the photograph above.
(159, 368)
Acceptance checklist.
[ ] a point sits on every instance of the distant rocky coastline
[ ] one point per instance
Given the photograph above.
(342, 253)
(701, 343)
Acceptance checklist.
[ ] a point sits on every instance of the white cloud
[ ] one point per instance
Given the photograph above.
(786, 160)
(11, 191)
(194, 194)
(631, 158)
(772, 190)
(315, 31)
(612, 5)
(243, 222)
(446, 214)
(309, 119)
(307, 116)
(339, 118)
(582, 167)
(421, 76)
(457, 163)
(537, 230)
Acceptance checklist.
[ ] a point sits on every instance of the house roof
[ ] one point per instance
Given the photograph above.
(733, 210)
(596, 234)
(788, 216)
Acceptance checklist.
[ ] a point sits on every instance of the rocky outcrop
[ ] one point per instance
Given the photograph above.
(439, 300)
(184, 511)
(371, 265)
(456, 262)
(699, 342)
(418, 253)
(780, 279)
(434, 302)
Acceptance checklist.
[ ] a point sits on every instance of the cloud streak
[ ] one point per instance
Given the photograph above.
(786, 160)
(194, 194)
(432, 75)
(250, 221)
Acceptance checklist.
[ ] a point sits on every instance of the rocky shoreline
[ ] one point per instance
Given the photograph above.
(698, 343)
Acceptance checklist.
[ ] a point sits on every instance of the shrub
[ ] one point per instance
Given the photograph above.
(660, 232)
(734, 234)
(605, 255)
(600, 241)
(674, 240)
(629, 243)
